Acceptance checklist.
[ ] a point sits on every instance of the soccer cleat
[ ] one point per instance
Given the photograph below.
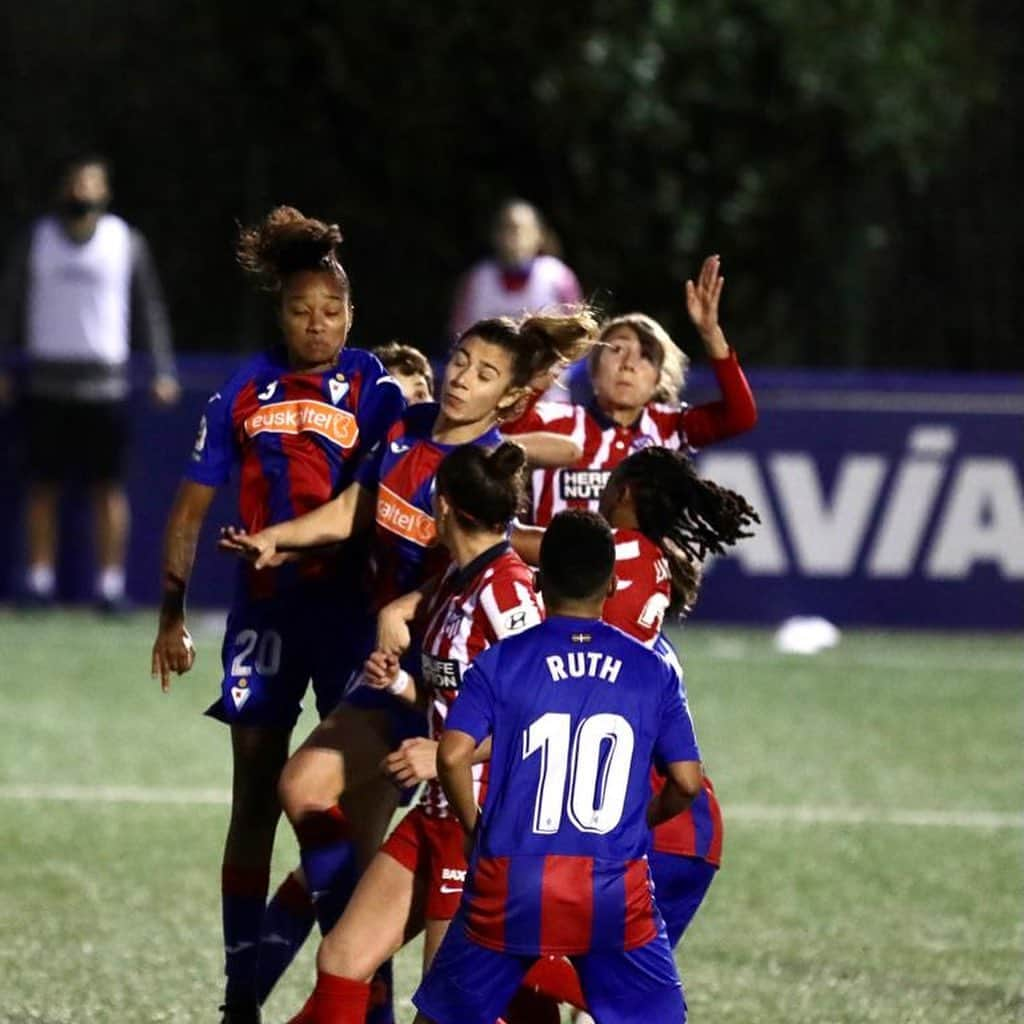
(240, 1013)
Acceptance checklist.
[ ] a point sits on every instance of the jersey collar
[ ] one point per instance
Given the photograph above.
(484, 559)
(605, 422)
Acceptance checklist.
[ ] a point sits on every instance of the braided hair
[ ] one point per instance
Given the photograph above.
(686, 515)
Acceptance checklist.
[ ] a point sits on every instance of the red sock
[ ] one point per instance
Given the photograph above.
(556, 977)
(338, 1000)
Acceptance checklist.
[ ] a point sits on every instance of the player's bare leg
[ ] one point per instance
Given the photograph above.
(385, 913)
(41, 533)
(341, 756)
(111, 519)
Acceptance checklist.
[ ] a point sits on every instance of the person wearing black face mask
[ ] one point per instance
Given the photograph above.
(77, 290)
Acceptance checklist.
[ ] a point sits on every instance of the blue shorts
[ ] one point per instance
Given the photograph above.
(273, 648)
(468, 984)
(680, 885)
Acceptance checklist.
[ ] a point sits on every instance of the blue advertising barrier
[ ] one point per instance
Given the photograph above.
(885, 499)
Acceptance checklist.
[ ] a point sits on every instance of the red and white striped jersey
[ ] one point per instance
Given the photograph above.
(606, 443)
(472, 608)
(643, 588)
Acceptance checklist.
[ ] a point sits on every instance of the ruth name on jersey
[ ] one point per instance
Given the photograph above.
(440, 673)
(582, 484)
(578, 664)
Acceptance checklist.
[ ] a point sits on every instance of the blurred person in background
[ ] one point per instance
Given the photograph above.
(410, 367)
(79, 288)
(521, 277)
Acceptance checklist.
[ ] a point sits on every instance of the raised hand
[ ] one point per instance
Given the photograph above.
(702, 305)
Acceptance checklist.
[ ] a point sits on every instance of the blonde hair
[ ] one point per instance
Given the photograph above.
(655, 341)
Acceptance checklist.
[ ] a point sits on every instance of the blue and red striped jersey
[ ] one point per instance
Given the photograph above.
(297, 438)
(401, 470)
(577, 712)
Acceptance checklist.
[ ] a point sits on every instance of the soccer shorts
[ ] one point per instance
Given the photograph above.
(80, 441)
(468, 984)
(431, 848)
(273, 648)
(680, 885)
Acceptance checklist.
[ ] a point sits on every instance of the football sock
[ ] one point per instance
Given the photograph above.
(243, 897)
(382, 1008)
(328, 861)
(338, 1000)
(287, 922)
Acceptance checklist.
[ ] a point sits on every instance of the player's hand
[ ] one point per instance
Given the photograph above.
(702, 305)
(381, 670)
(393, 633)
(173, 651)
(258, 548)
(413, 762)
(165, 389)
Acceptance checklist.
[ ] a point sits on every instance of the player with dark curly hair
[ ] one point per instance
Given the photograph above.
(295, 421)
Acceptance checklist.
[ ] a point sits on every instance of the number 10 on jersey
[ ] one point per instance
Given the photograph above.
(593, 765)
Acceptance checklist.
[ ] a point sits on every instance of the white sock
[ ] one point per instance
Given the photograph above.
(41, 580)
(111, 584)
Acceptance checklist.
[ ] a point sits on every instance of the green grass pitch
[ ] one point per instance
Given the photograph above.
(872, 796)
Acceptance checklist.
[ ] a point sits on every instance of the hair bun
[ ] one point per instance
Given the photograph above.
(506, 460)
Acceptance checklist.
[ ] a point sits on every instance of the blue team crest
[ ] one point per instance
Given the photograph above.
(338, 389)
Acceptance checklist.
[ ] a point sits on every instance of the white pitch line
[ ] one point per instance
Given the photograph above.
(758, 813)
(903, 817)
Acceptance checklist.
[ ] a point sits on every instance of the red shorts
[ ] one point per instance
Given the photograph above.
(431, 848)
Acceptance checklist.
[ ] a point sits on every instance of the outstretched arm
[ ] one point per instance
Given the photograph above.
(173, 650)
(549, 450)
(347, 514)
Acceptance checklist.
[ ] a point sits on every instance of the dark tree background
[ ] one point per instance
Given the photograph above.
(853, 161)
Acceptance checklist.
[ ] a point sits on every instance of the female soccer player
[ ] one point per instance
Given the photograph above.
(485, 595)
(637, 372)
(666, 520)
(410, 367)
(486, 375)
(296, 420)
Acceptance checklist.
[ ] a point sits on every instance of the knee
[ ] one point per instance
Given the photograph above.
(353, 956)
(302, 791)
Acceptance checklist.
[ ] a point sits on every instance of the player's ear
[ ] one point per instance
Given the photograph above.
(613, 583)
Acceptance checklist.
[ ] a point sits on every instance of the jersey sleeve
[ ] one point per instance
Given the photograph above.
(474, 709)
(676, 740)
(368, 471)
(734, 413)
(381, 403)
(216, 448)
(511, 607)
(549, 418)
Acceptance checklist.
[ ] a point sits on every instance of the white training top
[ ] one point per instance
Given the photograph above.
(485, 292)
(79, 296)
